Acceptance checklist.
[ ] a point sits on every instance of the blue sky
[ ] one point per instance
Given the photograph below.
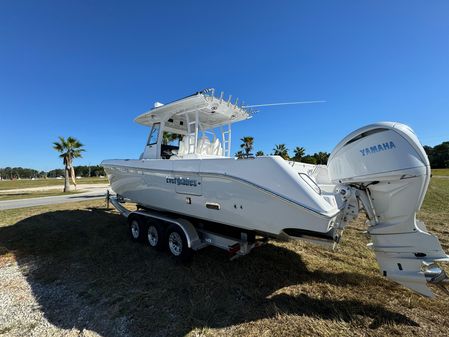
(87, 68)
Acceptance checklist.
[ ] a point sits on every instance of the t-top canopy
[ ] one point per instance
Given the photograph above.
(212, 112)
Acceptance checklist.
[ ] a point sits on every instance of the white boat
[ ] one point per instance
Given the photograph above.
(186, 169)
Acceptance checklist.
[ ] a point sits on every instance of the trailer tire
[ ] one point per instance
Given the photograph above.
(155, 236)
(137, 230)
(177, 244)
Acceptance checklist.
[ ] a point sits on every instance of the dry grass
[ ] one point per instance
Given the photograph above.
(86, 274)
(440, 172)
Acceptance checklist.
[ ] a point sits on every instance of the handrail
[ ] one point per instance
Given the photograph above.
(316, 188)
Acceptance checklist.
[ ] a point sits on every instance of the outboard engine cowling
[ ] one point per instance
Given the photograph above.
(390, 171)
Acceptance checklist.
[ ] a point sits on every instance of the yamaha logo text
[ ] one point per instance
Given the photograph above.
(377, 148)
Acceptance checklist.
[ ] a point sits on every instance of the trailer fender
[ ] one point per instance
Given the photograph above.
(193, 240)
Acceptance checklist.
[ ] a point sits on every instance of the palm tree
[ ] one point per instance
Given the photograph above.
(299, 153)
(168, 137)
(260, 153)
(239, 154)
(247, 145)
(321, 157)
(281, 150)
(69, 148)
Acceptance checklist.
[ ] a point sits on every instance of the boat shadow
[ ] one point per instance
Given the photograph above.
(85, 273)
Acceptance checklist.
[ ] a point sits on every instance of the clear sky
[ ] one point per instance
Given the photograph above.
(87, 68)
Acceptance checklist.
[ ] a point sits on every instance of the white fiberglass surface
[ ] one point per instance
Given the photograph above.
(271, 174)
(382, 152)
(213, 112)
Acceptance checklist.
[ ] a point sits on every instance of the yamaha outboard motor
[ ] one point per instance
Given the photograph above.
(387, 170)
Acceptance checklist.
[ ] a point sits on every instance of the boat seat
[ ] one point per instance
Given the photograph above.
(182, 148)
(203, 146)
(216, 148)
(198, 156)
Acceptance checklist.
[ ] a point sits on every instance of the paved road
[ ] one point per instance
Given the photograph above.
(92, 194)
(80, 187)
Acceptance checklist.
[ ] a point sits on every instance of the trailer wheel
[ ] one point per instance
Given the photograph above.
(155, 236)
(177, 244)
(137, 228)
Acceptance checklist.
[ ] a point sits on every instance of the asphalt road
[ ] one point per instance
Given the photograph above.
(92, 194)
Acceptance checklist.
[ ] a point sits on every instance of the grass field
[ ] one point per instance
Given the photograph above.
(25, 183)
(85, 275)
(440, 172)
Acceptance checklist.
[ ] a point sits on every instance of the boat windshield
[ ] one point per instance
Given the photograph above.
(154, 134)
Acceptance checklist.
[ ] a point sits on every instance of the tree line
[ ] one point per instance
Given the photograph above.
(438, 155)
(299, 153)
(28, 173)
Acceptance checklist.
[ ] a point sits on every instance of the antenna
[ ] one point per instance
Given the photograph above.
(282, 103)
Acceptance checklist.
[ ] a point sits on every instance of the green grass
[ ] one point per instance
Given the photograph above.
(440, 172)
(25, 183)
(82, 268)
(28, 195)
(437, 198)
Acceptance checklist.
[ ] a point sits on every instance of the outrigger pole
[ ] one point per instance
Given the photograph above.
(282, 103)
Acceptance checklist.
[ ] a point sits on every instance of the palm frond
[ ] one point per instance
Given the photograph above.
(58, 147)
(63, 141)
(78, 153)
(74, 143)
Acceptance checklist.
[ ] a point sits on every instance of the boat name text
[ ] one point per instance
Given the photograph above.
(181, 181)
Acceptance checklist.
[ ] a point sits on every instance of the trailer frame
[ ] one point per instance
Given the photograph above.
(196, 238)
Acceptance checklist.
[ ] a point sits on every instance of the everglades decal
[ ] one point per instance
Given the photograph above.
(181, 181)
(377, 148)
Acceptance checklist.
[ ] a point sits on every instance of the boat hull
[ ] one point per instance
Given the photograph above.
(194, 189)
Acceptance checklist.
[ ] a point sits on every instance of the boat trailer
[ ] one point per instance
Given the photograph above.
(162, 230)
